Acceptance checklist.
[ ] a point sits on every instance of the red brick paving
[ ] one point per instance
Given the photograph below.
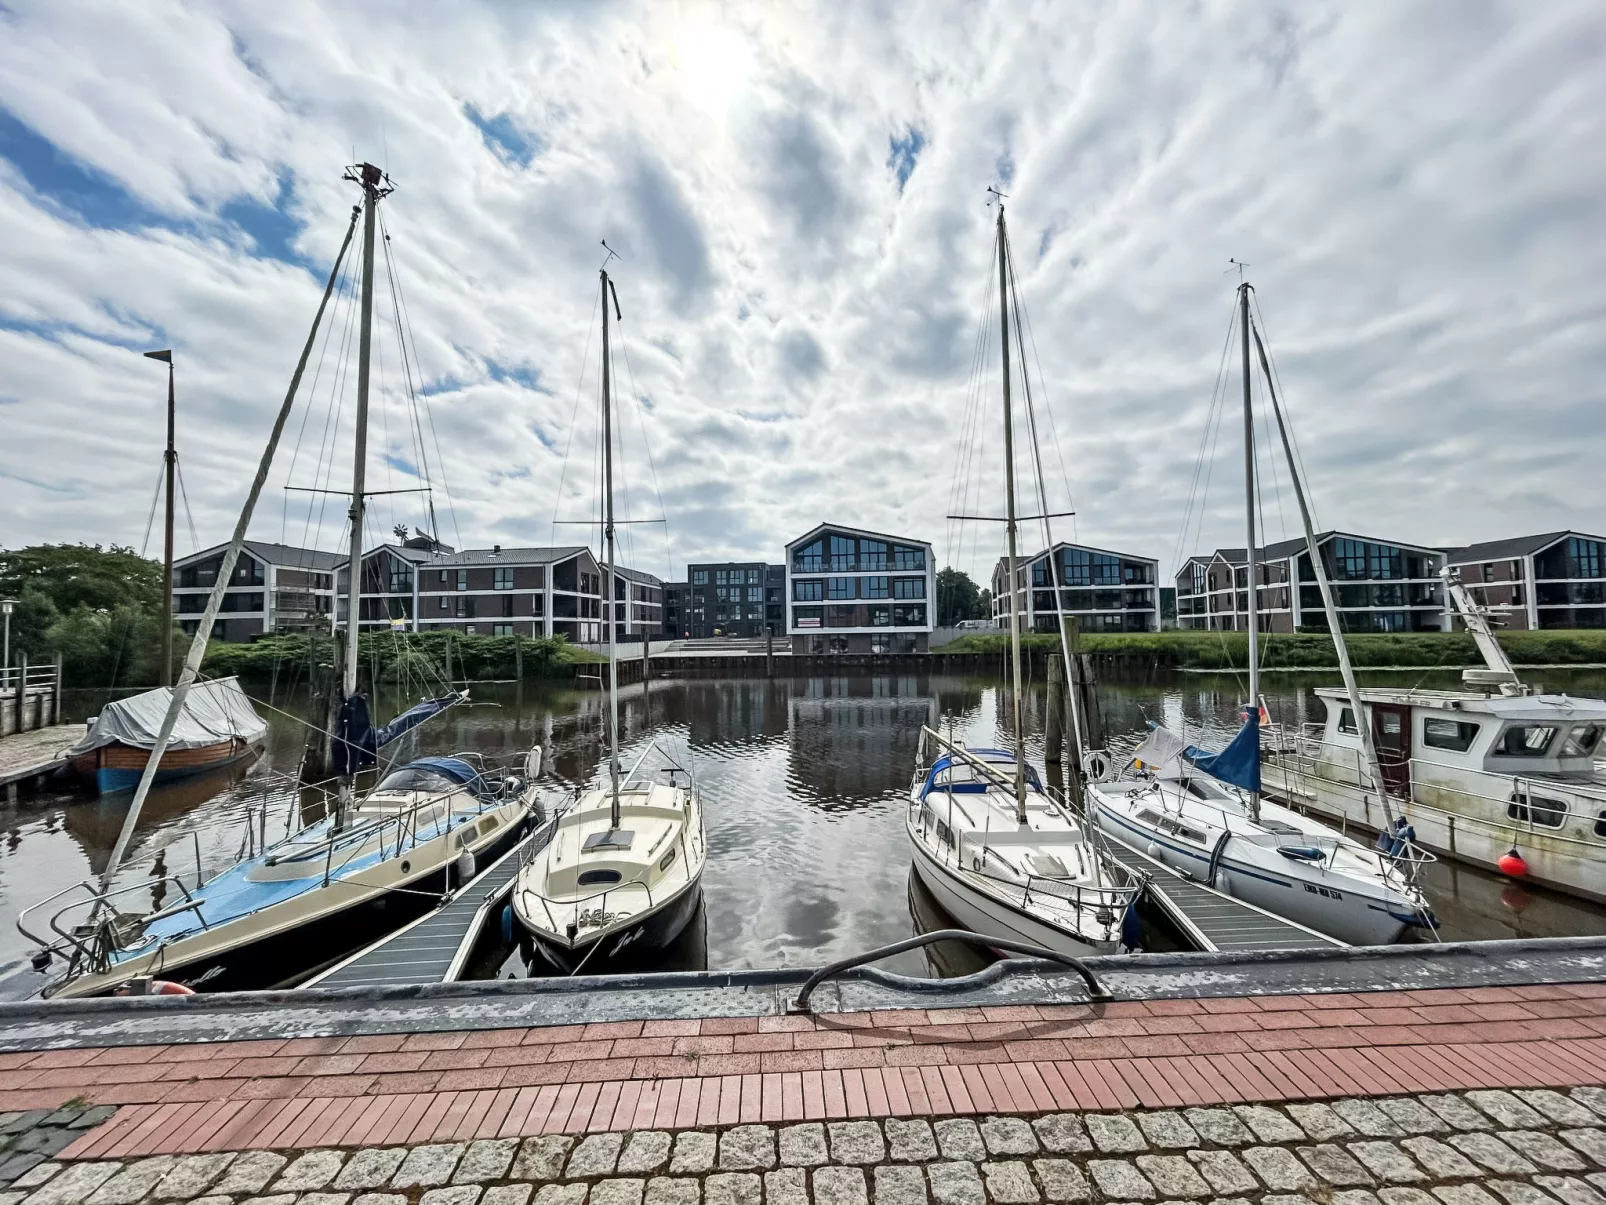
(413, 1088)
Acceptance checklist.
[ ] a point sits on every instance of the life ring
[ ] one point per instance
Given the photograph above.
(1098, 766)
(166, 987)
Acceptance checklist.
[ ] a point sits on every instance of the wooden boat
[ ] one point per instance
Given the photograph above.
(217, 727)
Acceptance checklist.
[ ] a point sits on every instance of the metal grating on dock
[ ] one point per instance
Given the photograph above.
(1214, 921)
(432, 948)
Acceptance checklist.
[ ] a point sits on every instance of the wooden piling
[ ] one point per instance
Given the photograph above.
(1054, 726)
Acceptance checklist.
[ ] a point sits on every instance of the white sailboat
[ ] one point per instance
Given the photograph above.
(1203, 814)
(623, 872)
(1001, 855)
(272, 917)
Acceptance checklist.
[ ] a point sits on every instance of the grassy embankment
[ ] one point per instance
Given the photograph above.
(1228, 650)
(396, 657)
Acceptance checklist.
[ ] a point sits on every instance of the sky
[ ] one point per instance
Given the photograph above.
(797, 196)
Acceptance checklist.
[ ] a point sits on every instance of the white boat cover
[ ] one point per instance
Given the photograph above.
(213, 712)
(1162, 752)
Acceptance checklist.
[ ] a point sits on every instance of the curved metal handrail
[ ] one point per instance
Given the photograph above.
(1095, 989)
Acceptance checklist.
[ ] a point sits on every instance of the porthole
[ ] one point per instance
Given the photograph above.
(406, 866)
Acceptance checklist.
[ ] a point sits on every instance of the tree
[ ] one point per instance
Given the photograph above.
(957, 598)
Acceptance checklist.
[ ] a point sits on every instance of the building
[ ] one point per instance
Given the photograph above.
(638, 604)
(486, 591)
(1378, 587)
(852, 591)
(727, 599)
(275, 588)
(775, 599)
(1554, 580)
(677, 599)
(1106, 591)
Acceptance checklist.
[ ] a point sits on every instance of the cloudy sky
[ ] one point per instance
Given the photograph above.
(797, 196)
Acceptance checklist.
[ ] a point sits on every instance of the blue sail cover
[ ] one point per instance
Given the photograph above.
(1239, 762)
(357, 740)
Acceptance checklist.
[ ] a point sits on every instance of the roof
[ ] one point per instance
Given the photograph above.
(479, 556)
(1126, 556)
(857, 531)
(274, 554)
(1513, 707)
(1499, 550)
(637, 575)
(1287, 548)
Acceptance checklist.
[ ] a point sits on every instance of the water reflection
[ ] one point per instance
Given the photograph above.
(803, 783)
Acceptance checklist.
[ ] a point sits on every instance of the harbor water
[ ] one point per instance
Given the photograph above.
(803, 781)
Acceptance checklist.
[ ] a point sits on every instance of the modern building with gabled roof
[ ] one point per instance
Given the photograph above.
(1104, 591)
(1379, 586)
(854, 591)
(275, 588)
(1556, 579)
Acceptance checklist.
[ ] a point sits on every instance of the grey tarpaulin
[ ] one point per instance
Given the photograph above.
(213, 712)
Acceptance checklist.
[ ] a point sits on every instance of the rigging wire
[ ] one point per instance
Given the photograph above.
(646, 443)
(341, 293)
(1288, 418)
(189, 517)
(574, 416)
(409, 365)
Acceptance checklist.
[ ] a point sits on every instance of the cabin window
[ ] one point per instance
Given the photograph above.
(590, 878)
(1391, 723)
(1454, 735)
(667, 860)
(1546, 812)
(1526, 740)
(1600, 825)
(1346, 723)
(945, 834)
(1582, 741)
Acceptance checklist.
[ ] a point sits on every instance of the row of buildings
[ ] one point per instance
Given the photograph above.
(845, 590)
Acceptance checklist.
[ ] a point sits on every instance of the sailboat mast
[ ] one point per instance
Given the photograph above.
(1009, 526)
(170, 459)
(370, 193)
(1250, 555)
(608, 587)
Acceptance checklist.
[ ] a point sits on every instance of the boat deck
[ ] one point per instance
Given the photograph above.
(432, 949)
(1211, 920)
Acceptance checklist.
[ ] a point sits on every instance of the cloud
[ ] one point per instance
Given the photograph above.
(806, 263)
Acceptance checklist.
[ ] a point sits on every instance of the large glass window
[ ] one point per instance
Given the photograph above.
(722, 577)
(754, 576)
(1349, 559)
(810, 558)
(755, 594)
(1586, 558)
(909, 615)
(504, 577)
(872, 554)
(807, 617)
(1106, 569)
(842, 554)
(808, 590)
(905, 557)
(462, 579)
(909, 587)
(874, 587)
(699, 577)
(1582, 741)
(1040, 572)
(401, 578)
(839, 587)
(1078, 567)
(841, 617)
(1384, 561)
(879, 616)
(1454, 735)
(1526, 740)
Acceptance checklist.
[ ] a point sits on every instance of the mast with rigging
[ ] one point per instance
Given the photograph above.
(1009, 527)
(169, 470)
(1250, 551)
(608, 603)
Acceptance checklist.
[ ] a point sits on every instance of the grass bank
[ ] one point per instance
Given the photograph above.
(401, 656)
(1229, 650)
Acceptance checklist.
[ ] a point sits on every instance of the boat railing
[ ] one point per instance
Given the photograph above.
(93, 930)
(577, 904)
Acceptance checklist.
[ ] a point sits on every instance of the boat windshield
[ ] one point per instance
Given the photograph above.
(1582, 741)
(417, 778)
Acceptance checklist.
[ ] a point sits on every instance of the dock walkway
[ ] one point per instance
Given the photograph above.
(1210, 919)
(434, 948)
(32, 754)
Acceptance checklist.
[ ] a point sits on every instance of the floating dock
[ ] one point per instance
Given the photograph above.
(436, 947)
(1209, 919)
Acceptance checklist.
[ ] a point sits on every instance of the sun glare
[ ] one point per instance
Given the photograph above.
(716, 66)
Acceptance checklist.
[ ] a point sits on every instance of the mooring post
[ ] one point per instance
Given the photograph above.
(22, 697)
(769, 651)
(1054, 727)
(55, 698)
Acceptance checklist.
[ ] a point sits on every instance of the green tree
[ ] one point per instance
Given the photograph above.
(957, 598)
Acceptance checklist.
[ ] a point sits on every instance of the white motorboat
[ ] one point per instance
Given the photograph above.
(1495, 774)
(1041, 880)
(1268, 856)
(316, 894)
(621, 876)
(623, 872)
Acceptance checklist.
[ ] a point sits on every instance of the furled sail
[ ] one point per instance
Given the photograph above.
(357, 741)
(1239, 762)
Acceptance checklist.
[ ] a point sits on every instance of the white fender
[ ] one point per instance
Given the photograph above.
(532, 763)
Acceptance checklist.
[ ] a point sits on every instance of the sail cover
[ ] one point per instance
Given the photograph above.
(1161, 752)
(1239, 762)
(213, 712)
(357, 740)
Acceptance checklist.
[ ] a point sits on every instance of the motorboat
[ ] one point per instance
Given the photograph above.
(622, 874)
(316, 894)
(217, 727)
(1165, 803)
(1041, 880)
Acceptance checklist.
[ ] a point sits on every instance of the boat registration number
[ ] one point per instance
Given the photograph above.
(1327, 891)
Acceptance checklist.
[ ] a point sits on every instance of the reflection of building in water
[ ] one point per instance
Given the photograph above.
(733, 712)
(856, 738)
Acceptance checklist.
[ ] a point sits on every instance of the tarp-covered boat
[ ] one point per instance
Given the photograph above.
(218, 726)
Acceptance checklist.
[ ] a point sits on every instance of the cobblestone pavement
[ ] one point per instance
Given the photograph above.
(1494, 1147)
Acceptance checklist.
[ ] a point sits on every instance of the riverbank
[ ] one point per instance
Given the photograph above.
(1229, 650)
(402, 656)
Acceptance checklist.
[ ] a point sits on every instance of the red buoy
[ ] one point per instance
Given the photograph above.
(1512, 865)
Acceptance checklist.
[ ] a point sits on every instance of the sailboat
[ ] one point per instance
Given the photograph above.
(287, 906)
(997, 851)
(1203, 814)
(622, 874)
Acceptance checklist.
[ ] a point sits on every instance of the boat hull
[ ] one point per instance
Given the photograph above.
(118, 767)
(627, 945)
(980, 913)
(285, 944)
(1343, 913)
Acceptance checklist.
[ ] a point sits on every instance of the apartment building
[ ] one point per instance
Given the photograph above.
(727, 599)
(1105, 591)
(677, 600)
(854, 591)
(1379, 586)
(1553, 580)
(274, 588)
(638, 604)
